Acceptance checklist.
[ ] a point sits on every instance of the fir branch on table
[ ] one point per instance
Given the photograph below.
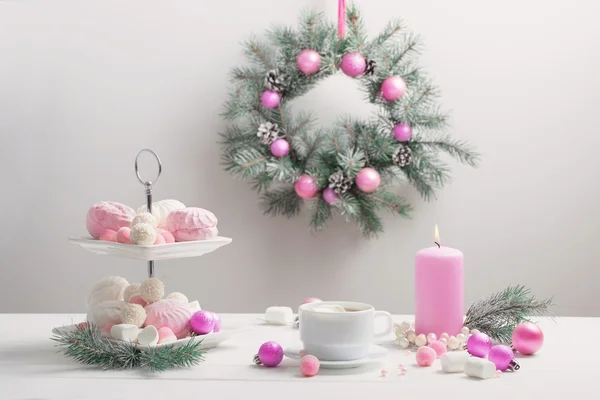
(88, 346)
(498, 314)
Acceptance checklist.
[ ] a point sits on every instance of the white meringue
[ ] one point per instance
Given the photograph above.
(162, 209)
(107, 312)
(109, 288)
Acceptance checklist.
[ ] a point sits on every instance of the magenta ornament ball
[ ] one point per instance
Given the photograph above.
(330, 196)
(306, 187)
(393, 88)
(368, 180)
(280, 148)
(479, 345)
(308, 61)
(501, 356)
(202, 322)
(403, 132)
(353, 64)
(270, 354)
(270, 99)
(527, 338)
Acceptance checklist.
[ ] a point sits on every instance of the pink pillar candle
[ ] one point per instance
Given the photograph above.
(439, 291)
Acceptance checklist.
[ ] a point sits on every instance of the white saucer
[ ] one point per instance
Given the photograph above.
(375, 353)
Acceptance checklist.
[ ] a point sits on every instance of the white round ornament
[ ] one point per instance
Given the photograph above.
(145, 218)
(143, 234)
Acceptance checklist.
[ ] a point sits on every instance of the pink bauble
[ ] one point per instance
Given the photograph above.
(501, 356)
(217, 326)
(309, 365)
(306, 187)
(270, 354)
(308, 61)
(368, 180)
(527, 338)
(168, 236)
(159, 239)
(124, 235)
(353, 64)
(312, 300)
(202, 322)
(425, 356)
(172, 314)
(108, 235)
(280, 148)
(270, 98)
(330, 196)
(393, 88)
(439, 347)
(479, 344)
(403, 132)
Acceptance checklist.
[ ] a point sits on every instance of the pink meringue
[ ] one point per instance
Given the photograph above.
(108, 215)
(191, 224)
(171, 314)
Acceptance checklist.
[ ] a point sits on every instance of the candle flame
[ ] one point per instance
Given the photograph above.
(436, 234)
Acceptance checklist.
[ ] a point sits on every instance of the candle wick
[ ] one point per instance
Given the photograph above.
(438, 245)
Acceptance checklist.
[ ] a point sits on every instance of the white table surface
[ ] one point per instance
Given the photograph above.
(31, 368)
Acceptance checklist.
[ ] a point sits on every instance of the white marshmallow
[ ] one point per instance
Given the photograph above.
(279, 315)
(148, 336)
(126, 332)
(480, 368)
(454, 361)
(195, 306)
(329, 308)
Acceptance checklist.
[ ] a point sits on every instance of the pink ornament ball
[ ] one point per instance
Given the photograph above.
(330, 196)
(353, 64)
(270, 99)
(306, 187)
(159, 240)
(479, 345)
(202, 322)
(402, 132)
(527, 338)
(217, 326)
(124, 235)
(439, 347)
(501, 356)
(270, 354)
(393, 88)
(309, 365)
(368, 180)
(312, 300)
(108, 235)
(280, 148)
(308, 61)
(426, 356)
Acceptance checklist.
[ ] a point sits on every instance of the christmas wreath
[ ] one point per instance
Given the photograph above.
(351, 166)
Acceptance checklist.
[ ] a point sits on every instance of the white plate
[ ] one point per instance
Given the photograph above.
(153, 252)
(375, 353)
(208, 341)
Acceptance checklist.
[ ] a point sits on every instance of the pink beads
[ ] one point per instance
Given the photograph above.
(308, 61)
(270, 354)
(353, 64)
(270, 99)
(306, 187)
(439, 347)
(309, 365)
(280, 148)
(393, 88)
(527, 338)
(330, 196)
(426, 356)
(368, 180)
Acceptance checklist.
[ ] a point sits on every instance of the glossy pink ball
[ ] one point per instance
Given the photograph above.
(353, 64)
(368, 180)
(330, 196)
(202, 322)
(308, 61)
(309, 365)
(270, 354)
(217, 326)
(426, 356)
(479, 345)
(527, 338)
(306, 187)
(403, 132)
(393, 88)
(501, 356)
(439, 347)
(280, 148)
(270, 99)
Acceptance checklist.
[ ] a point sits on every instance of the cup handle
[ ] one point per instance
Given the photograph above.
(389, 324)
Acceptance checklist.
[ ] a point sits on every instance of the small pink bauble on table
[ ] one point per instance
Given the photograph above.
(308, 61)
(393, 88)
(280, 148)
(425, 356)
(202, 322)
(309, 365)
(368, 180)
(270, 99)
(402, 132)
(503, 357)
(439, 347)
(527, 338)
(353, 64)
(269, 354)
(306, 187)
(479, 345)
(330, 196)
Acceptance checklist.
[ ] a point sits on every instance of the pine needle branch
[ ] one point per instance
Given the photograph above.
(282, 201)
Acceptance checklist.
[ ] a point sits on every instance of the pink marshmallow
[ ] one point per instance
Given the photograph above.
(137, 299)
(192, 223)
(106, 329)
(108, 235)
(159, 240)
(168, 236)
(166, 335)
(124, 235)
(108, 215)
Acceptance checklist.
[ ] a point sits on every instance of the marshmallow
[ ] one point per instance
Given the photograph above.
(126, 332)
(195, 306)
(481, 368)
(279, 315)
(454, 361)
(329, 308)
(148, 336)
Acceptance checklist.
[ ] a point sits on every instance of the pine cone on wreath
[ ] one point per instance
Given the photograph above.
(274, 81)
(339, 182)
(402, 156)
(268, 132)
(370, 70)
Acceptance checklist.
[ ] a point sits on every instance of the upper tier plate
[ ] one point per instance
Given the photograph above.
(154, 252)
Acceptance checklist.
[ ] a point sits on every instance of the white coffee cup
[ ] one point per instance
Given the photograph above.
(340, 336)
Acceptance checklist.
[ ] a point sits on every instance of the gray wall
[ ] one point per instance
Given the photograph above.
(85, 85)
